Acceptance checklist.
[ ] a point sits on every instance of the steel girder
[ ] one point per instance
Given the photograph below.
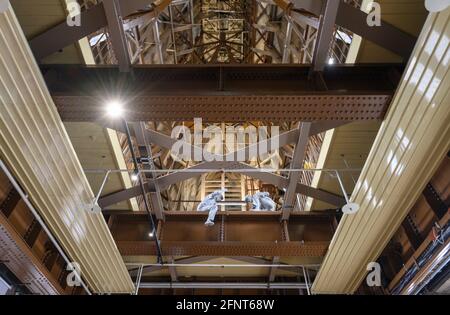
(91, 19)
(183, 234)
(231, 93)
(202, 248)
(353, 19)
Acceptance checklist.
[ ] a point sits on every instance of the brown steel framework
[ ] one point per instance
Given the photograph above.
(183, 234)
(224, 93)
(220, 249)
(229, 93)
(250, 31)
(239, 32)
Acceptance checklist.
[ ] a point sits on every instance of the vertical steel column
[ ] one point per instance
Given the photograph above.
(305, 275)
(157, 39)
(325, 34)
(297, 162)
(138, 279)
(175, 57)
(144, 192)
(287, 42)
(115, 26)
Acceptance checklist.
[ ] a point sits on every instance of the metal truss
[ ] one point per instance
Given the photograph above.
(218, 31)
(316, 33)
(183, 31)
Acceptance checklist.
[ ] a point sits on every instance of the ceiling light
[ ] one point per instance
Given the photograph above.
(330, 61)
(114, 109)
(150, 234)
(134, 177)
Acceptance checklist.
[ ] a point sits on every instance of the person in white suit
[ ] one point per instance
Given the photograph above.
(210, 204)
(261, 201)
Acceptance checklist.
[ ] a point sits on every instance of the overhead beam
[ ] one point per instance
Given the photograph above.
(185, 260)
(92, 20)
(200, 259)
(63, 35)
(216, 93)
(299, 217)
(205, 248)
(386, 35)
(296, 162)
(184, 234)
(259, 284)
(262, 261)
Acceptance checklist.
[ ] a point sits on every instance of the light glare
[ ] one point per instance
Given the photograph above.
(114, 109)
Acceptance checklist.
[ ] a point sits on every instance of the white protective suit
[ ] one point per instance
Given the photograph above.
(261, 201)
(210, 204)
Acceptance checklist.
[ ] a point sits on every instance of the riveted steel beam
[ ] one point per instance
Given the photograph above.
(183, 234)
(205, 248)
(217, 93)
